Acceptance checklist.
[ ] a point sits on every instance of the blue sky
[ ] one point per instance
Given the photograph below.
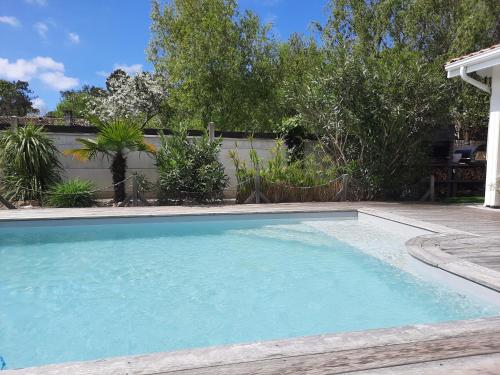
(62, 44)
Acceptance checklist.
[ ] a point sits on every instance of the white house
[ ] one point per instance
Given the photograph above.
(486, 64)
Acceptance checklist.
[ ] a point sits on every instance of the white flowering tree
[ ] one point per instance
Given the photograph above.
(138, 97)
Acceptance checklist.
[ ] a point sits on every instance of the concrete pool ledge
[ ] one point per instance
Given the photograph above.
(325, 354)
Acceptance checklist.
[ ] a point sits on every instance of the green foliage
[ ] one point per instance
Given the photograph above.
(76, 102)
(221, 64)
(379, 91)
(375, 112)
(114, 140)
(71, 193)
(29, 162)
(189, 169)
(464, 200)
(313, 178)
(15, 98)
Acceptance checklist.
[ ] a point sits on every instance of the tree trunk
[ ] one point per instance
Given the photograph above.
(118, 169)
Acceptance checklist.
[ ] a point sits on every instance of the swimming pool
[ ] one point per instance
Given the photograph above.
(81, 290)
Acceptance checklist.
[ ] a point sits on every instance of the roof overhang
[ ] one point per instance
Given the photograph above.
(480, 63)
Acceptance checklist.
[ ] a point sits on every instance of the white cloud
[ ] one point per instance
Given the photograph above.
(37, 2)
(74, 38)
(129, 69)
(58, 80)
(11, 21)
(39, 104)
(42, 29)
(45, 69)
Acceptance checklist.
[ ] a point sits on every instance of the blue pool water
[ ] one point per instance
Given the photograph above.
(83, 292)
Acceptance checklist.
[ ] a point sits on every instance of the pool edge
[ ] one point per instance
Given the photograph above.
(352, 351)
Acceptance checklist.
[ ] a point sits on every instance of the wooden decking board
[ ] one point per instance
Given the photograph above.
(473, 365)
(341, 362)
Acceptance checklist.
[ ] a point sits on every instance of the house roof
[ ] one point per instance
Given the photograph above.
(480, 62)
(495, 46)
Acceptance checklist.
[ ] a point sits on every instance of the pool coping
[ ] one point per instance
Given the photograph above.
(348, 348)
(427, 249)
(339, 353)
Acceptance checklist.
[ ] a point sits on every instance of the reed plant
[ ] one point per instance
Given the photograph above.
(313, 178)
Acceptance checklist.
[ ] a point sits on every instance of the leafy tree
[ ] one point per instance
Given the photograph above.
(380, 89)
(114, 140)
(438, 29)
(76, 102)
(29, 162)
(139, 98)
(221, 64)
(16, 99)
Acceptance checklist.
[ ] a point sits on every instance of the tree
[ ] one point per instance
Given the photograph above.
(380, 90)
(438, 29)
(16, 99)
(76, 102)
(115, 140)
(139, 98)
(221, 64)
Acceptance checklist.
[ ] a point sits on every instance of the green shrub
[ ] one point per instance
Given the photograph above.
(72, 193)
(29, 162)
(189, 169)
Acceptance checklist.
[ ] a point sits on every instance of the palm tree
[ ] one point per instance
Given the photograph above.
(114, 140)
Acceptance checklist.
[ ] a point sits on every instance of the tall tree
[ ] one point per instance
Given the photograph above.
(438, 29)
(380, 89)
(221, 64)
(139, 98)
(76, 102)
(16, 99)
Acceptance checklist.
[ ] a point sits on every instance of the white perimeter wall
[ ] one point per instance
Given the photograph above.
(98, 170)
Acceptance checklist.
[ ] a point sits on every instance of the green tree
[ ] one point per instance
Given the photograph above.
(114, 140)
(438, 29)
(380, 90)
(15, 98)
(76, 102)
(221, 64)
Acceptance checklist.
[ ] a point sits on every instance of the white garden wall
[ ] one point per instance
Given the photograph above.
(98, 170)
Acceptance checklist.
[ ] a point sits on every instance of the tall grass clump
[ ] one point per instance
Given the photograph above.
(313, 178)
(29, 163)
(71, 193)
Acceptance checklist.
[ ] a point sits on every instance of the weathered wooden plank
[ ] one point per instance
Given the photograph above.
(355, 344)
(341, 362)
(476, 365)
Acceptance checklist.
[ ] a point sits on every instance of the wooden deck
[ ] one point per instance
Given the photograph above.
(466, 237)
(472, 219)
